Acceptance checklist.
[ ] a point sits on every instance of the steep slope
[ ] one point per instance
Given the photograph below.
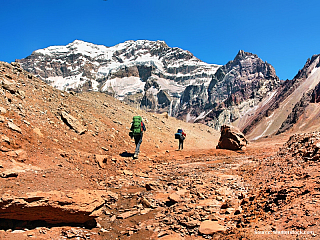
(234, 93)
(58, 141)
(138, 71)
(42, 116)
(289, 103)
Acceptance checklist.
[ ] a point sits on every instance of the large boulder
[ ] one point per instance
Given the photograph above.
(231, 138)
(75, 207)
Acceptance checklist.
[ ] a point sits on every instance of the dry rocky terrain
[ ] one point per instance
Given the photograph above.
(66, 172)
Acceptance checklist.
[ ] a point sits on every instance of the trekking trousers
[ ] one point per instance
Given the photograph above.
(180, 143)
(138, 141)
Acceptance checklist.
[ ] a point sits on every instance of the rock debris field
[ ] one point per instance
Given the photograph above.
(66, 172)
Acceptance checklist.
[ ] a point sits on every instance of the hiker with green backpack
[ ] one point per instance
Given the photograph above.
(137, 129)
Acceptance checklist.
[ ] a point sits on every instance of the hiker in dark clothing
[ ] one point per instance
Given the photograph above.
(181, 136)
(137, 129)
(181, 139)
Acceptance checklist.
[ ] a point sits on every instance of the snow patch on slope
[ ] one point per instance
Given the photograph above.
(123, 86)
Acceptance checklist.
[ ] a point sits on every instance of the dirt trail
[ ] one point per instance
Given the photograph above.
(60, 148)
(165, 193)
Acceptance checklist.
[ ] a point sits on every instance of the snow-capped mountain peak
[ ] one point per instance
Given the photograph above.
(126, 69)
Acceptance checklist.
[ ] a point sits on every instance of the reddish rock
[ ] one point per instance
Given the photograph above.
(210, 227)
(101, 160)
(55, 207)
(231, 138)
(175, 197)
(174, 236)
(127, 214)
(72, 122)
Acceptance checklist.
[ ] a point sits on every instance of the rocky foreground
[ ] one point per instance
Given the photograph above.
(66, 172)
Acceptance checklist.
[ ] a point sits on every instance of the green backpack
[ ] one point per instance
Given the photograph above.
(136, 125)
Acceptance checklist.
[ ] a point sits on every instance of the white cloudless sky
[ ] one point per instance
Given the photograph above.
(284, 33)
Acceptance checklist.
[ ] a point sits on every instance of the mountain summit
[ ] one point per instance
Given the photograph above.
(148, 73)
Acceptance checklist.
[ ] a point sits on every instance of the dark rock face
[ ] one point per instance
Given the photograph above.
(194, 96)
(239, 85)
(148, 102)
(231, 138)
(164, 98)
(125, 71)
(247, 76)
(308, 67)
(316, 94)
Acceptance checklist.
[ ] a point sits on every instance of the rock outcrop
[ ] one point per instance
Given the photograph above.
(287, 187)
(72, 122)
(231, 138)
(290, 105)
(233, 90)
(56, 207)
(210, 227)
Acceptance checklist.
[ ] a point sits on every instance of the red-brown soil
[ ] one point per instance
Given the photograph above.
(165, 193)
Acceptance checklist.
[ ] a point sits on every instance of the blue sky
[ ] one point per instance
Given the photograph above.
(285, 33)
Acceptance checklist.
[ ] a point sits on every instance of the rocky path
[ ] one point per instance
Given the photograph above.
(193, 195)
(187, 194)
(182, 195)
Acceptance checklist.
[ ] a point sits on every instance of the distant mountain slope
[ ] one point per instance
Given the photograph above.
(289, 104)
(153, 76)
(245, 92)
(148, 73)
(36, 118)
(234, 93)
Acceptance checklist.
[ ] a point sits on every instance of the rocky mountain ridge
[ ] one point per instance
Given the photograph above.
(234, 89)
(245, 92)
(293, 106)
(148, 73)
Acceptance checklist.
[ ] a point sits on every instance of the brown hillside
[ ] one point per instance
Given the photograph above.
(66, 172)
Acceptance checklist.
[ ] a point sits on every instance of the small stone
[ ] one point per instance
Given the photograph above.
(3, 110)
(101, 160)
(154, 186)
(113, 218)
(38, 132)
(174, 197)
(127, 172)
(146, 203)
(145, 211)
(127, 214)
(8, 174)
(4, 138)
(14, 127)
